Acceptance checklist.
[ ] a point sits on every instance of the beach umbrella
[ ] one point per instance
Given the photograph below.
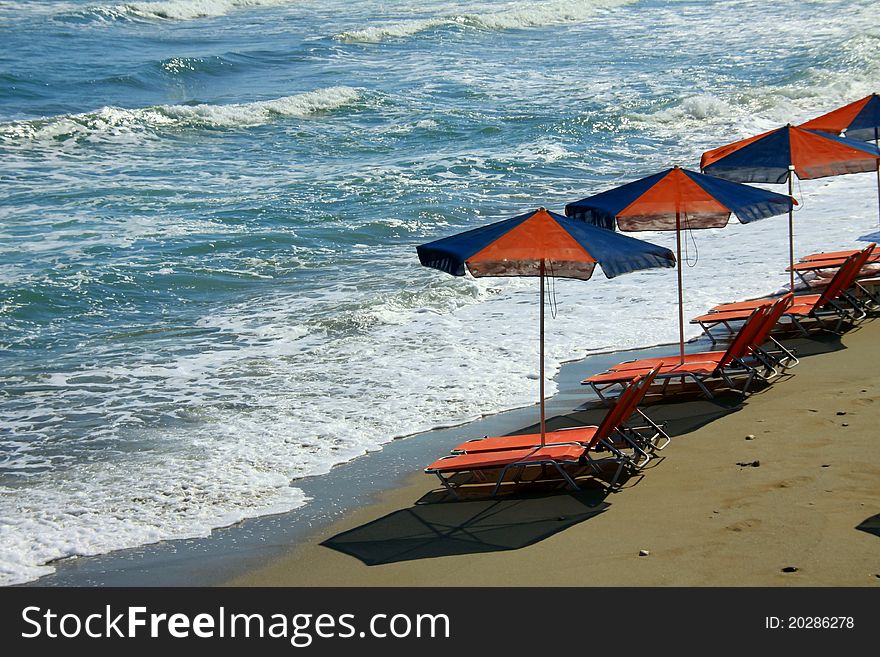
(542, 244)
(677, 199)
(773, 156)
(857, 120)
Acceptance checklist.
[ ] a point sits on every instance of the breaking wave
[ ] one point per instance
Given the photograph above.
(177, 10)
(108, 123)
(521, 15)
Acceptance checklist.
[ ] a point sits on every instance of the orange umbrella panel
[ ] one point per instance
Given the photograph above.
(771, 156)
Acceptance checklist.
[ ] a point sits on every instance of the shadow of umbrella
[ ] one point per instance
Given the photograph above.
(870, 525)
(467, 527)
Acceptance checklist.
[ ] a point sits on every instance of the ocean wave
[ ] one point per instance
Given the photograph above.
(521, 15)
(176, 10)
(847, 68)
(112, 123)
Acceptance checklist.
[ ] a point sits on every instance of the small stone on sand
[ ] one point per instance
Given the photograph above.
(841, 412)
(790, 569)
(844, 424)
(751, 436)
(644, 553)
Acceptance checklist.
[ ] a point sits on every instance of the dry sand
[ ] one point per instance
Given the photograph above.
(704, 519)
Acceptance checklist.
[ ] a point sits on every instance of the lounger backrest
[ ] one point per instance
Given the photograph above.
(776, 311)
(845, 276)
(626, 404)
(745, 337)
(612, 418)
(834, 285)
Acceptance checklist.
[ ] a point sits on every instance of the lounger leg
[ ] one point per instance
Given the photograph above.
(799, 326)
(501, 478)
(657, 428)
(448, 486)
(566, 476)
(613, 485)
(788, 353)
(702, 386)
(636, 448)
(748, 383)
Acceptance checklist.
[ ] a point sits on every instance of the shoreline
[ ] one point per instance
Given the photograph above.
(706, 515)
(234, 550)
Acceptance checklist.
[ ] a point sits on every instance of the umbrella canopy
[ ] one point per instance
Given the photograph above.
(773, 156)
(676, 199)
(542, 243)
(652, 203)
(859, 120)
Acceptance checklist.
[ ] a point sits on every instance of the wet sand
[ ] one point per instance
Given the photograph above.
(811, 503)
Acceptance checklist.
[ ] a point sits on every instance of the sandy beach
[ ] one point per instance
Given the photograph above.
(719, 509)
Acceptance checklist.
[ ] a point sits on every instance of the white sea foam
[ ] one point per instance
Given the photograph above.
(516, 16)
(850, 69)
(178, 10)
(115, 124)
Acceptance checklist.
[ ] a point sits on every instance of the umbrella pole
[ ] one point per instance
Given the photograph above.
(877, 144)
(791, 231)
(541, 375)
(680, 303)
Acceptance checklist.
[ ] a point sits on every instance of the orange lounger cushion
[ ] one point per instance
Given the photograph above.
(835, 263)
(502, 458)
(622, 376)
(801, 299)
(799, 309)
(726, 316)
(830, 255)
(526, 440)
(671, 361)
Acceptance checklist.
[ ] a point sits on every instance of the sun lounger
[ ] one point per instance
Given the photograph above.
(482, 464)
(833, 255)
(833, 301)
(817, 274)
(736, 361)
(495, 457)
(615, 423)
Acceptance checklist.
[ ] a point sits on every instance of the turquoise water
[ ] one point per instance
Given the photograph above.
(209, 209)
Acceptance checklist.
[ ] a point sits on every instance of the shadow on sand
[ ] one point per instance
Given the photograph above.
(870, 525)
(467, 527)
(439, 525)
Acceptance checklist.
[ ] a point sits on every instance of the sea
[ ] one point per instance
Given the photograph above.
(209, 210)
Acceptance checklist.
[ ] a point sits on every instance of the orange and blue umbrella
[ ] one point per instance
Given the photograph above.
(857, 120)
(542, 244)
(675, 199)
(773, 156)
